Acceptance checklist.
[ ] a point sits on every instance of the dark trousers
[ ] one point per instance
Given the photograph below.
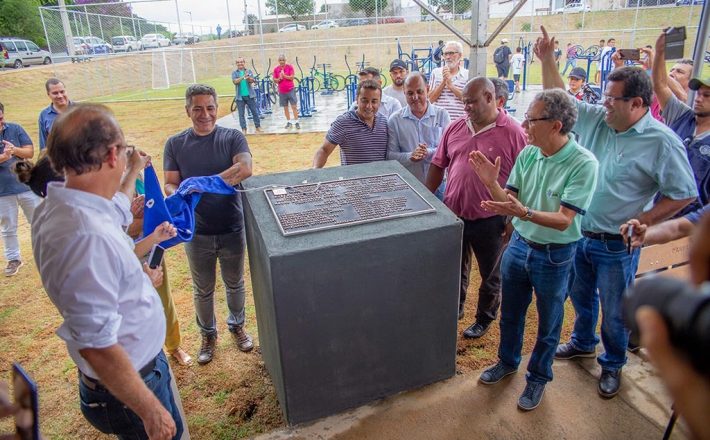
(483, 239)
(241, 104)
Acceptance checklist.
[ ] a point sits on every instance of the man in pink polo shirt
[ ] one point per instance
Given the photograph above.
(283, 75)
(494, 133)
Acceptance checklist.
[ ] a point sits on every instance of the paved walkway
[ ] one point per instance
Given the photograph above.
(331, 106)
(462, 408)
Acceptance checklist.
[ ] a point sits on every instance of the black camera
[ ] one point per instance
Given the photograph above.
(686, 311)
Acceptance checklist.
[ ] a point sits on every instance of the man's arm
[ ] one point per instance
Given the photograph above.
(657, 234)
(241, 169)
(456, 91)
(663, 209)
(434, 178)
(544, 50)
(658, 73)
(42, 134)
(394, 152)
(116, 372)
(322, 154)
(559, 220)
(23, 152)
(436, 91)
(172, 182)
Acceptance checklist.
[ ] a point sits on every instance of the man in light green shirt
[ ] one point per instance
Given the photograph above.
(548, 190)
(638, 158)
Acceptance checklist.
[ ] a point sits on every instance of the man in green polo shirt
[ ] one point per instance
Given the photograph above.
(548, 191)
(638, 158)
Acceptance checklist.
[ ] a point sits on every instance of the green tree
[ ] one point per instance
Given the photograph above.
(20, 18)
(453, 6)
(293, 8)
(368, 6)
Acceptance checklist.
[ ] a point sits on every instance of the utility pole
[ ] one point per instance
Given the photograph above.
(246, 18)
(177, 13)
(67, 28)
(229, 20)
(479, 29)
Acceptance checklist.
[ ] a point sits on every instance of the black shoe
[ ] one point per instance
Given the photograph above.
(569, 351)
(609, 383)
(633, 347)
(496, 373)
(476, 330)
(209, 343)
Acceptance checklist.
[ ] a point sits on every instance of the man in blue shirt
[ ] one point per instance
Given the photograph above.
(14, 144)
(415, 130)
(60, 103)
(638, 158)
(692, 125)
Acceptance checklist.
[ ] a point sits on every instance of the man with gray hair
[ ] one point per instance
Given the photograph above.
(206, 149)
(501, 92)
(447, 82)
(549, 188)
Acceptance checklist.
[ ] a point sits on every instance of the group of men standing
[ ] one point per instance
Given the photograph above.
(541, 204)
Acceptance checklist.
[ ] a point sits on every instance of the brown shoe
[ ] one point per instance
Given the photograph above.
(209, 343)
(181, 357)
(244, 341)
(259, 130)
(13, 266)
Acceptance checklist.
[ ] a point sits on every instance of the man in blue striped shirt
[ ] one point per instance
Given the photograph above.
(361, 133)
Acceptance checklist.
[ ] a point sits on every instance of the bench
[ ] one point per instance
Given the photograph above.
(670, 259)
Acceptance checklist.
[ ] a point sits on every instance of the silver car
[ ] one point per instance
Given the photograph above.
(15, 52)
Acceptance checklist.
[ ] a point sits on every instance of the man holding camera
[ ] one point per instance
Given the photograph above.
(112, 316)
(244, 80)
(638, 158)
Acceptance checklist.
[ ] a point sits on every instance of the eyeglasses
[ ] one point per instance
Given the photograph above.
(529, 120)
(450, 53)
(606, 98)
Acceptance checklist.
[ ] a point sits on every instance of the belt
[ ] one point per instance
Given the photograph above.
(95, 384)
(603, 236)
(542, 247)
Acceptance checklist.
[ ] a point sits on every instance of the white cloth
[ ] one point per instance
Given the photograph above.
(447, 99)
(93, 277)
(517, 62)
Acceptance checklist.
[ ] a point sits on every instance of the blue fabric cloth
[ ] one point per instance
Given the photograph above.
(545, 272)
(695, 216)
(179, 208)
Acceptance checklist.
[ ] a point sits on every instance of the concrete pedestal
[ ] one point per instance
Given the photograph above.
(357, 313)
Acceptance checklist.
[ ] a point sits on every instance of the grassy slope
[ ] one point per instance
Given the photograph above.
(233, 396)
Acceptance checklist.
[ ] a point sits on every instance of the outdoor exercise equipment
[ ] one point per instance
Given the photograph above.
(306, 94)
(265, 93)
(420, 59)
(351, 83)
(527, 59)
(331, 82)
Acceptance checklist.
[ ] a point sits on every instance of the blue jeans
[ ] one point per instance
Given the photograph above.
(571, 62)
(110, 416)
(603, 271)
(241, 104)
(547, 272)
(202, 255)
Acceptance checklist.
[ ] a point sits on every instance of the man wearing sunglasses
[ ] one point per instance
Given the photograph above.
(638, 158)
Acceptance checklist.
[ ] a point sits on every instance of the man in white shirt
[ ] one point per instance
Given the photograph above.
(398, 73)
(517, 62)
(114, 324)
(446, 82)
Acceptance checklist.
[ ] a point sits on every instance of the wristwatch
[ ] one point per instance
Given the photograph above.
(528, 214)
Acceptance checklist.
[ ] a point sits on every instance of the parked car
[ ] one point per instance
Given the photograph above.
(355, 22)
(126, 43)
(186, 38)
(97, 45)
(16, 52)
(574, 7)
(80, 46)
(689, 2)
(155, 41)
(325, 24)
(293, 27)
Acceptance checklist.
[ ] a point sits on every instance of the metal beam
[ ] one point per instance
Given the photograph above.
(479, 27)
(441, 20)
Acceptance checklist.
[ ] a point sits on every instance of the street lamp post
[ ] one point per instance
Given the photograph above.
(192, 25)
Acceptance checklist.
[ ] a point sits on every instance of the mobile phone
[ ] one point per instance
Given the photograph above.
(156, 256)
(675, 42)
(630, 54)
(27, 400)
(2, 147)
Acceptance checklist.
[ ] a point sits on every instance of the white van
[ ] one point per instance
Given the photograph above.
(126, 43)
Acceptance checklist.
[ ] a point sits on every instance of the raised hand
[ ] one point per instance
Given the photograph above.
(511, 207)
(545, 45)
(486, 170)
(164, 231)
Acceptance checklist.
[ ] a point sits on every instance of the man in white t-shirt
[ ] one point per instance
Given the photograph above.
(517, 61)
(447, 82)
(398, 73)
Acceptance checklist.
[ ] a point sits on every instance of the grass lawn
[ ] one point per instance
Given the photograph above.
(232, 397)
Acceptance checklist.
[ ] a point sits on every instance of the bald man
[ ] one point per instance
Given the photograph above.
(493, 132)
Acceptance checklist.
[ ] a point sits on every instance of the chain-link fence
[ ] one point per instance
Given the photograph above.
(323, 36)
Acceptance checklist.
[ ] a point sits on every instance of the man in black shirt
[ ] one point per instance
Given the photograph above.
(206, 150)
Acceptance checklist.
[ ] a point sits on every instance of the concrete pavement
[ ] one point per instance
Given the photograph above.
(462, 408)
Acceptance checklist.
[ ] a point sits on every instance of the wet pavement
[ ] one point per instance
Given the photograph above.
(329, 107)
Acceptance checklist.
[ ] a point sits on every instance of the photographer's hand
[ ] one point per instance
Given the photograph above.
(689, 389)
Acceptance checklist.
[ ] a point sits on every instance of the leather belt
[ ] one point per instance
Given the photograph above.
(603, 236)
(95, 384)
(542, 247)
